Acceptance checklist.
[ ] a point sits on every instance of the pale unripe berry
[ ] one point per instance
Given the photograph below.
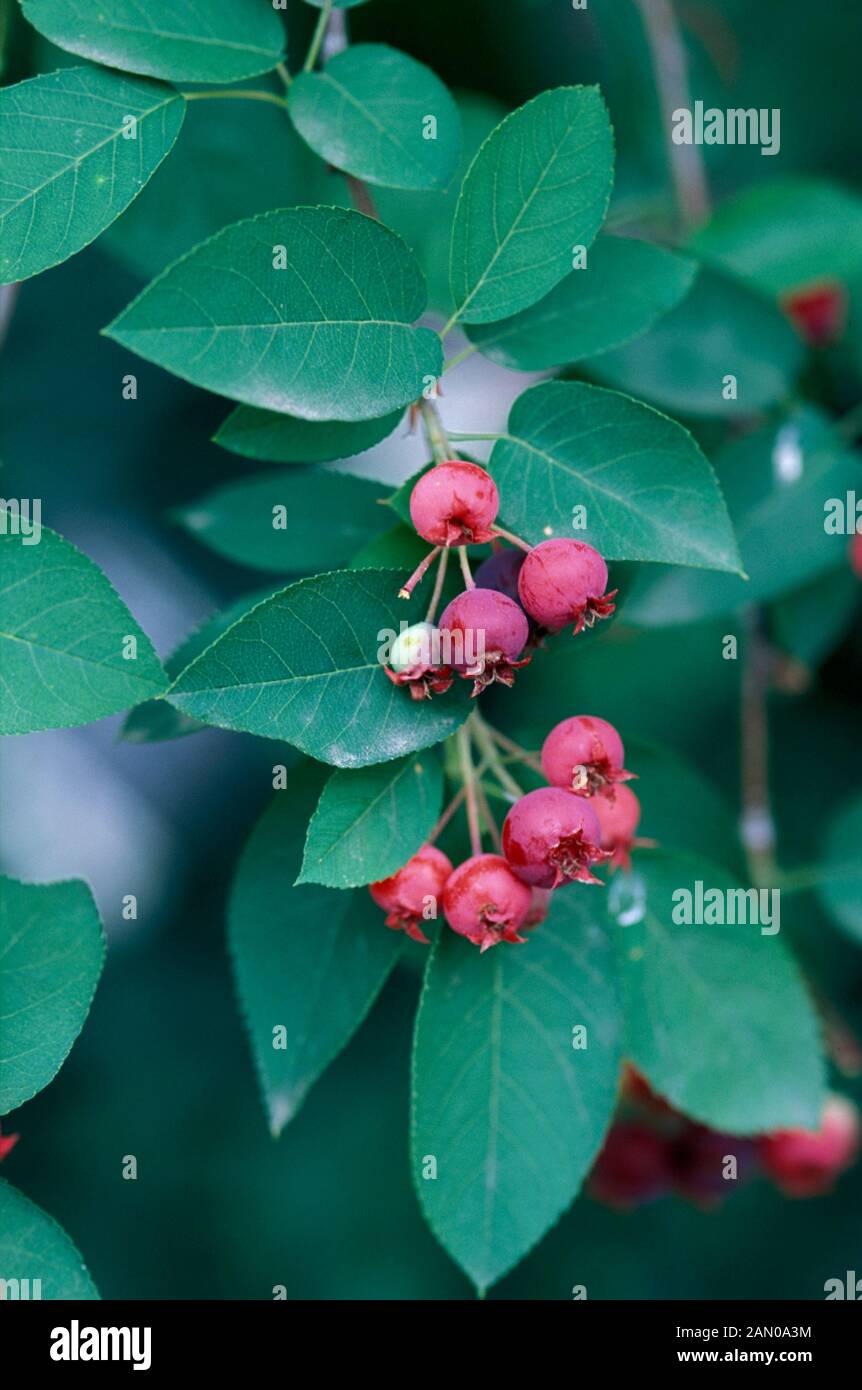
(455, 504)
(584, 754)
(564, 581)
(411, 895)
(485, 902)
(551, 837)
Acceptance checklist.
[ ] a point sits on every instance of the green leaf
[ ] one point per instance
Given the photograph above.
(309, 960)
(325, 517)
(329, 336)
(786, 234)
(809, 622)
(722, 328)
(51, 954)
(305, 667)
(717, 1017)
(369, 822)
(512, 1113)
(398, 548)
(776, 482)
(154, 721)
(33, 1247)
(649, 492)
(210, 181)
(64, 635)
(538, 187)
(70, 164)
(366, 112)
(625, 287)
(667, 782)
(841, 888)
(222, 41)
(424, 219)
(274, 438)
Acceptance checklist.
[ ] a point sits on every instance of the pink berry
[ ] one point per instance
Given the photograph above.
(551, 837)
(562, 582)
(455, 504)
(483, 635)
(484, 901)
(405, 896)
(699, 1164)
(856, 554)
(618, 820)
(584, 754)
(803, 1163)
(633, 1167)
(500, 571)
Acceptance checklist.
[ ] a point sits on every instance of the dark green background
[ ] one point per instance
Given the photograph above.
(162, 1070)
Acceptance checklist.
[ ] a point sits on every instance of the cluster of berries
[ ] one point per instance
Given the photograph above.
(655, 1151)
(515, 598)
(551, 837)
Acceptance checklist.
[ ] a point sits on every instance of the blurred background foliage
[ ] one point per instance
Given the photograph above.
(162, 1070)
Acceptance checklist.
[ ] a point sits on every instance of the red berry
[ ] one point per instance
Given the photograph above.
(818, 312)
(618, 820)
(803, 1163)
(500, 571)
(486, 634)
(562, 582)
(856, 554)
(455, 504)
(633, 1167)
(699, 1164)
(405, 896)
(484, 901)
(584, 754)
(551, 837)
(7, 1144)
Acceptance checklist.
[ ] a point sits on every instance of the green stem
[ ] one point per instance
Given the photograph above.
(510, 536)
(465, 567)
(281, 69)
(460, 357)
(317, 37)
(509, 745)
(438, 586)
(484, 742)
(454, 435)
(438, 439)
(232, 94)
(468, 776)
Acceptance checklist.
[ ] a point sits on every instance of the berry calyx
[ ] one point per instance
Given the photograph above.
(407, 896)
(412, 662)
(486, 634)
(484, 901)
(500, 571)
(564, 581)
(585, 755)
(618, 818)
(551, 837)
(634, 1167)
(803, 1163)
(455, 503)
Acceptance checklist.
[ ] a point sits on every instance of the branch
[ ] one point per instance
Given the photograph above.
(670, 66)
